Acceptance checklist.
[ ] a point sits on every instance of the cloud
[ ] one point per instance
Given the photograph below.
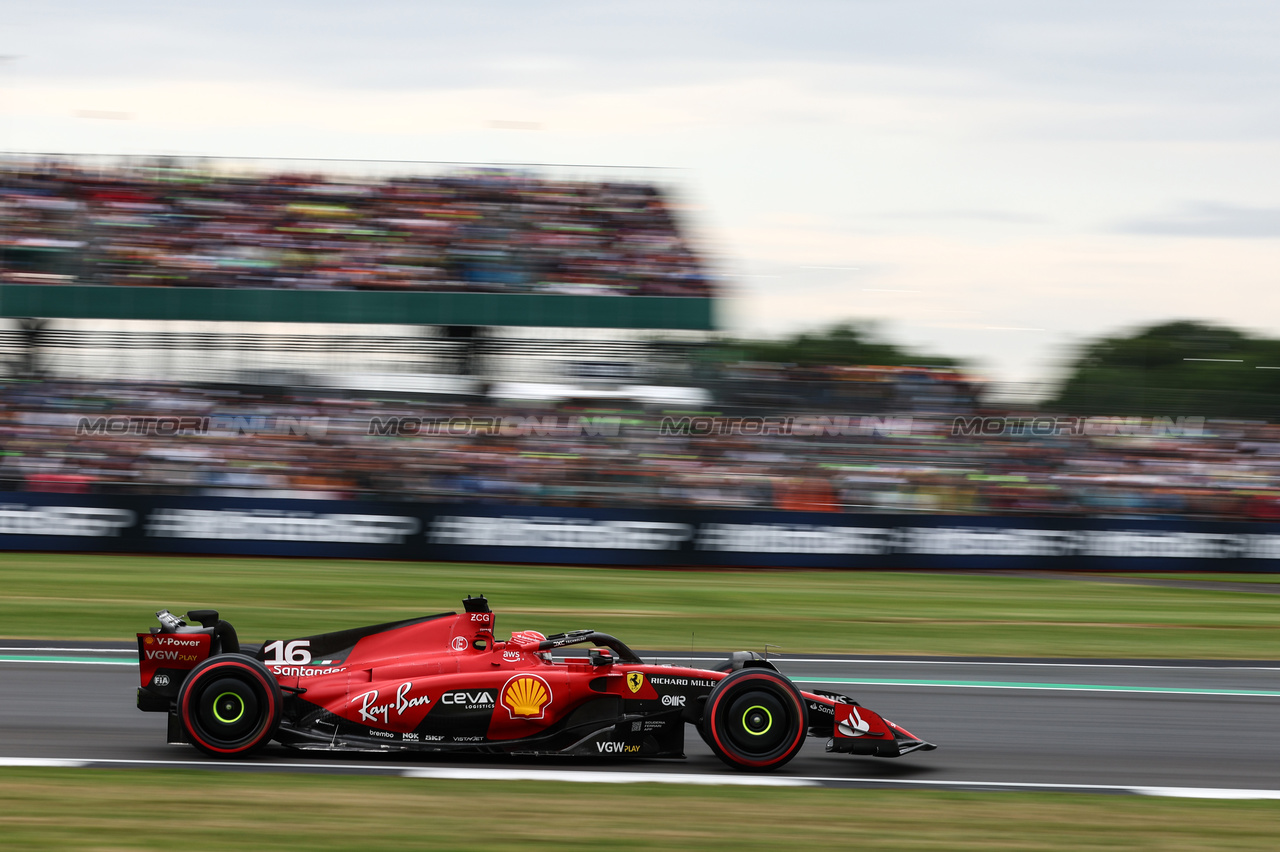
(1052, 71)
(1207, 219)
(987, 163)
(1000, 217)
(1180, 49)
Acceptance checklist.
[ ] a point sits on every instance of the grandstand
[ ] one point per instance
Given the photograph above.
(287, 308)
(371, 275)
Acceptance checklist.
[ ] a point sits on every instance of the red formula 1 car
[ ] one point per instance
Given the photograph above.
(443, 683)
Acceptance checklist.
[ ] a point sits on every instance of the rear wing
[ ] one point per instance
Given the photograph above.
(168, 652)
(165, 658)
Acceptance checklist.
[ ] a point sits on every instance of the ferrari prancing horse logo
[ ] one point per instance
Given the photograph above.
(635, 680)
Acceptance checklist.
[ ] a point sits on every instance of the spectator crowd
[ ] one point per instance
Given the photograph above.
(868, 439)
(311, 443)
(485, 230)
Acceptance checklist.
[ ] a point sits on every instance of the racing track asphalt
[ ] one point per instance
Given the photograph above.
(998, 723)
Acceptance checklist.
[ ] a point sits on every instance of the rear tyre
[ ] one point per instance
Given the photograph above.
(755, 720)
(229, 706)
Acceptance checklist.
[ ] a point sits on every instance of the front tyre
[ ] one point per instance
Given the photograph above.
(229, 706)
(755, 719)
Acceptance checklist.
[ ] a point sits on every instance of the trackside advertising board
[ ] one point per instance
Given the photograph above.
(488, 532)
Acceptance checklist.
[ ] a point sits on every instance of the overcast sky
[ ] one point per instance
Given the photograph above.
(995, 180)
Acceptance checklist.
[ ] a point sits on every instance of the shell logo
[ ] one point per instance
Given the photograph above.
(526, 696)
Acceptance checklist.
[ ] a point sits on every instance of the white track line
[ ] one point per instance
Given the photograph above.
(73, 662)
(217, 764)
(678, 658)
(1100, 689)
(1206, 793)
(42, 762)
(1141, 790)
(781, 660)
(582, 776)
(710, 779)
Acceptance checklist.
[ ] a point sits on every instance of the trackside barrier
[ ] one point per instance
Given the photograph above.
(491, 532)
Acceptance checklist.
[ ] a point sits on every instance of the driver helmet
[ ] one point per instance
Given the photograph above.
(532, 637)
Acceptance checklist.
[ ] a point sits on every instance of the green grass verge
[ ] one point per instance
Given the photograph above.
(113, 597)
(161, 810)
(1217, 578)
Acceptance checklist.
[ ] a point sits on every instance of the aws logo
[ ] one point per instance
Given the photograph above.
(526, 696)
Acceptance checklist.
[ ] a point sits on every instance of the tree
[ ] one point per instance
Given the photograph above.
(841, 345)
(1177, 369)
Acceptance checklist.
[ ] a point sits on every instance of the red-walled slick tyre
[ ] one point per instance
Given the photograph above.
(755, 719)
(229, 706)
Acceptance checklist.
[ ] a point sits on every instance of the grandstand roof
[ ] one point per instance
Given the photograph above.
(211, 304)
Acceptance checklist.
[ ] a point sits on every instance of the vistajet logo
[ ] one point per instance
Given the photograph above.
(511, 427)
(801, 426)
(217, 425)
(1157, 427)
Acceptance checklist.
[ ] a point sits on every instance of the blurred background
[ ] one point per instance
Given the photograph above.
(883, 220)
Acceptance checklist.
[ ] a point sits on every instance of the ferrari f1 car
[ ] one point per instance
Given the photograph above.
(444, 683)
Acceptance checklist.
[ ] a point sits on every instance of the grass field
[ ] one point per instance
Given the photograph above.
(112, 597)
(1215, 578)
(162, 810)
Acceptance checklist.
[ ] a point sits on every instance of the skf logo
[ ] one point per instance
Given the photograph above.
(526, 696)
(635, 680)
